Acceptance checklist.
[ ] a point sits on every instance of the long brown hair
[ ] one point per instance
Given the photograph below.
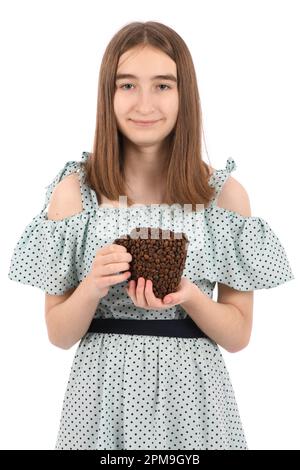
(187, 174)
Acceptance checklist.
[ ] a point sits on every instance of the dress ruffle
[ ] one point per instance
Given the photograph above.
(241, 252)
(49, 253)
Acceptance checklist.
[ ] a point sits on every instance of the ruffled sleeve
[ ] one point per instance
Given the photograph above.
(48, 254)
(243, 252)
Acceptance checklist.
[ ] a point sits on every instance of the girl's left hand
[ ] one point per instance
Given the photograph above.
(142, 294)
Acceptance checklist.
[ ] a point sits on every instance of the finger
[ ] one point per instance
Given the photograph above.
(140, 295)
(111, 248)
(116, 257)
(117, 247)
(149, 295)
(116, 278)
(169, 299)
(114, 268)
(131, 291)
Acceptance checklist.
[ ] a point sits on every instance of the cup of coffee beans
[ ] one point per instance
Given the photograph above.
(158, 255)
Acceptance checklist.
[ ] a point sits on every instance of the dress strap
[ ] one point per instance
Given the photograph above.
(218, 178)
(88, 196)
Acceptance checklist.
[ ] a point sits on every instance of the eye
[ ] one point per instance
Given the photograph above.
(122, 86)
(130, 84)
(162, 84)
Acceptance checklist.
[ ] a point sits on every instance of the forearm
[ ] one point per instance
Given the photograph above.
(68, 322)
(224, 323)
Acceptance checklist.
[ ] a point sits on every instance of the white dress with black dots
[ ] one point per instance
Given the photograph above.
(138, 391)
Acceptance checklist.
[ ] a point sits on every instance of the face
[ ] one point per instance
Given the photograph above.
(145, 98)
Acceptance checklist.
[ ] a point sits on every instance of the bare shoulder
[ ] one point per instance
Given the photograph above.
(234, 197)
(65, 200)
(211, 169)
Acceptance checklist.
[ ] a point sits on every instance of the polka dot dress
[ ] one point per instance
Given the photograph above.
(139, 391)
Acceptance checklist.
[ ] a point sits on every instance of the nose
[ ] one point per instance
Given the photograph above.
(144, 102)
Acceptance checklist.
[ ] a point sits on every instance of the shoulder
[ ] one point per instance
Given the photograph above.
(234, 197)
(210, 169)
(65, 200)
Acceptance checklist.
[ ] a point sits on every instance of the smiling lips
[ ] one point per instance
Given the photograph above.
(144, 123)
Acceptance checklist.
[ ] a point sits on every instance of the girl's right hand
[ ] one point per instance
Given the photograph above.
(108, 261)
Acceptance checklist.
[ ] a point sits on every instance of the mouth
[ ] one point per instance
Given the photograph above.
(145, 123)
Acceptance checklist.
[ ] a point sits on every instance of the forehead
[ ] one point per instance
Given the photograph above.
(146, 62)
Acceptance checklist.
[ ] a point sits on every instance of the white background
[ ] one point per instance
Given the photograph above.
(247, 63)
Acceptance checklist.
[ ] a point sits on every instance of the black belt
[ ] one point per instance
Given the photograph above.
(183, 328)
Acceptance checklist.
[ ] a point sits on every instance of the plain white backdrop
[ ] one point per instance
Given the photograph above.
(246, 57)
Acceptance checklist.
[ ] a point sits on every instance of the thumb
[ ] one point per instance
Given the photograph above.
(169, 299)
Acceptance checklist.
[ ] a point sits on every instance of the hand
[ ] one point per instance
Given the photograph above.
(109, 260)
(142, 294)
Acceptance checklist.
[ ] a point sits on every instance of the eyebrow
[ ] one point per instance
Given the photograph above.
(168, 76)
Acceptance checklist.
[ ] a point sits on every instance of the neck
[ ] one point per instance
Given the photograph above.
(145, 168)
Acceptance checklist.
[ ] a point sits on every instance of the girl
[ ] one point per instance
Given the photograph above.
(148, 372)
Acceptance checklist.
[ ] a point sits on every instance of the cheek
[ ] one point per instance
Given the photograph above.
(173, 114)
(120, 105)
(171, 106)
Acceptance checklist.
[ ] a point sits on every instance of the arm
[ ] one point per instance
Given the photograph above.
(229, 324)
(68, 316)
(228, 321)
(68, 320)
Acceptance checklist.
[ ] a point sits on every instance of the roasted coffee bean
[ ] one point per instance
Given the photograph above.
(153, 257)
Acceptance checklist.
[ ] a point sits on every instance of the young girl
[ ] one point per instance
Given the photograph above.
(148, 374)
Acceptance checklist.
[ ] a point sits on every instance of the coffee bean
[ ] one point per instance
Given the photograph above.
(160, 259)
